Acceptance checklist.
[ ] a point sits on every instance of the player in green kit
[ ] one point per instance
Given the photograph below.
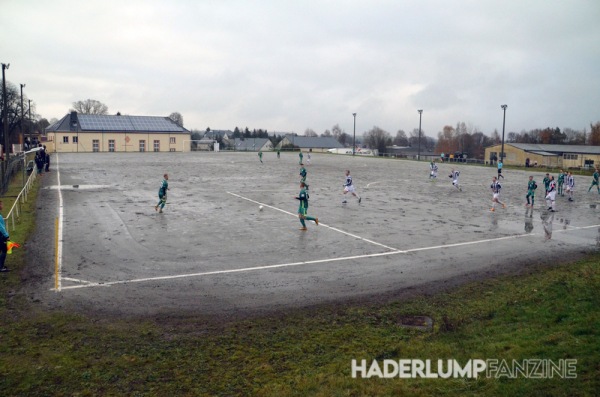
(531, 186)
(303, 207)
(546, 181)
(260, 155)
(303, 174)
(301, 156)
(278, 153)
(561, 182)
(162, 194)
(595, 181)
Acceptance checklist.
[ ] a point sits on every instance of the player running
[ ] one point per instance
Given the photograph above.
(303, 207)
(531, 186)
(551, 194)
(303, 174)
(454, 175)
(433, 170)
(162, 194)
(301, 156)
(495, 186)
(570, 182)
(595, 181)
(349, 188)
(260, 155)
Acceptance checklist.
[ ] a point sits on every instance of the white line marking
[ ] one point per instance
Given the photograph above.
(320, 224)
(246, 269)
(76, 280)
(59, 247)
(317, 261)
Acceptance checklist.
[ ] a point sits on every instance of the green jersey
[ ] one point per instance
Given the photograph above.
(561, 179)
(303, 197)
(596, 177)
(547, 182)
(303, 174)
(531, 186)
(162, 191)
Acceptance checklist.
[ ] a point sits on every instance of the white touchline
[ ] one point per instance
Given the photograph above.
(60, 227)
(317, 261)
(320, 223)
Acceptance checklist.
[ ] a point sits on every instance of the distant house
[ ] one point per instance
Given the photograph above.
(116, 133)
(548, 155)
(252, 144)
(224, 135)
(309, 143)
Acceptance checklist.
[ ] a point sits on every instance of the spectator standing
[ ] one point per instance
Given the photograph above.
(3, 239)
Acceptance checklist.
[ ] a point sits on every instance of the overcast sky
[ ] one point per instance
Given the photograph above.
(291, 65)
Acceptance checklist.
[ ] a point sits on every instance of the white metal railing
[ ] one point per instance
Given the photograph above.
(21, 199)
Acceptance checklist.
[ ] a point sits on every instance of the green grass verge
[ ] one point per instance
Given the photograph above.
(548, 314)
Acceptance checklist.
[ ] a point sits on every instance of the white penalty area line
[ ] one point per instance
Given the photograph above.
(320, 224)
(87, 284)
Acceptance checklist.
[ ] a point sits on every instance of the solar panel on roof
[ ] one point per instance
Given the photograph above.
(127, 123)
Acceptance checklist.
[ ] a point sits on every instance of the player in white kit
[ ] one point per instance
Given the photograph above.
(495, 186)
(349, 188)
(433, 170)
(551, 195)
(454, 175)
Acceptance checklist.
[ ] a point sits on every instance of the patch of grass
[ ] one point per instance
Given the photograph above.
(549, 314)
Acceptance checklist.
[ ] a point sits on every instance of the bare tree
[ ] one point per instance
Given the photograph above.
(90, 106)
(595, 134)
(177, 118)
(378, 139)
(401, 139)
(326, 133)
(310, 132)
(14, 112)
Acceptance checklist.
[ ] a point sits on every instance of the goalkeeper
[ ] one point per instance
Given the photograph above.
(162, 194)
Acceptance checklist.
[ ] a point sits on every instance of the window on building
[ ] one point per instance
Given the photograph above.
(142, 146)
(568, 156)
(157, 146)
(111, 145)
(172, 149)
(65, 139)
(172, 140)
(75, 139)
(96, 145)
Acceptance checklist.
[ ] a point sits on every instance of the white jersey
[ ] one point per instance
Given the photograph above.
(496, 187)
(434, 169)
(570, 182)
(348, 186)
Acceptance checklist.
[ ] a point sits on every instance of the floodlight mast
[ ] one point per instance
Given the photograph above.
(354, 135)
(5, 112)
(419, 151)
(503, 124)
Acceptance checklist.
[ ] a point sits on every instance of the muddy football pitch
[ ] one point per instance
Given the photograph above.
(100, 245)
